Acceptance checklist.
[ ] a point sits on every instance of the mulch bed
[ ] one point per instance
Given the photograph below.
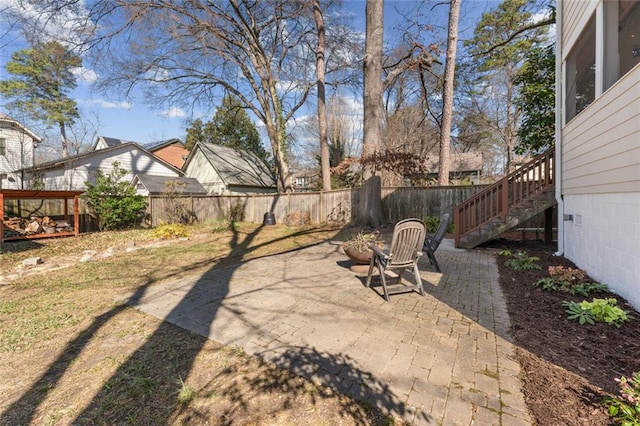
(568, 368)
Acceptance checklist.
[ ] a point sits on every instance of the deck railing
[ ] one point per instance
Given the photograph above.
(496, 201)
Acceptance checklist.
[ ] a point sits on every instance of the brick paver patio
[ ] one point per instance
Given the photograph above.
(445, 358)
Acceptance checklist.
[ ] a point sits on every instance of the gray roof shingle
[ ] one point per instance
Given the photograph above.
(236, 167)
(158, 184)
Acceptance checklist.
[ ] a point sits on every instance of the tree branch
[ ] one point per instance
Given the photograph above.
(539, 24)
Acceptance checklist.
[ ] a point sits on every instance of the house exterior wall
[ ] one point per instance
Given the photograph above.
(18, 154)
(201, 169)
(172, 154)
(601, 145)
(604, 239)
(600, 168)
(73, 175)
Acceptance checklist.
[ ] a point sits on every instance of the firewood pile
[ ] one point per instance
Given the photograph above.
(20, 227)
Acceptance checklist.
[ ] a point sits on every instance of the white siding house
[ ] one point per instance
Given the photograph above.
(227, 171)
(16, 152)
(598, 140)
(71, 173)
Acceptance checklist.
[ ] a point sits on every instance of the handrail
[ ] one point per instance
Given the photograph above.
(496, 201)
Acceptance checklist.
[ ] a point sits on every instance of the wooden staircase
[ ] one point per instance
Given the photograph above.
(521, 195)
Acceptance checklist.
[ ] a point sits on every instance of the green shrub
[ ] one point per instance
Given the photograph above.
(170, 230)
(520, 260)
(598, 310)
(432, 222)
(113, 201)
(625, 409)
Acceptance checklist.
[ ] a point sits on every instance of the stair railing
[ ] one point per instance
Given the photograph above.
(496, 201)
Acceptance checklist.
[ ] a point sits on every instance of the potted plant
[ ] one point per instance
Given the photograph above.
(357, 247)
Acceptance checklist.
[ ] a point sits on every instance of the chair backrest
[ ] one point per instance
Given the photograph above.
(406, 243)
(432, 243)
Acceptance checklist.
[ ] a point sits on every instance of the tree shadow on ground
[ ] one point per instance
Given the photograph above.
(145, 387)
(331, 373)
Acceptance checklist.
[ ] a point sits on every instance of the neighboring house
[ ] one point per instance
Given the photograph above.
(305, 180)
(598, 140)
(17, 144)
(462, 165)
(172, 151)
(159, 185)
(105, 142)
(70, 173)
(227, 171)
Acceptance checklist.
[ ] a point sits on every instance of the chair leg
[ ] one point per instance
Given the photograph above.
(371, 262)
(416, 272)
(383, 279)
(433, 261)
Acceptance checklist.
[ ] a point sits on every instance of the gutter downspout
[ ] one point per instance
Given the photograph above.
(558, 142)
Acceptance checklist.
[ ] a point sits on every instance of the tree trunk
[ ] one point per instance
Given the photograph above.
(322, 107)
(63, 136)
(372, 119)
(447, 95)
(370, 207)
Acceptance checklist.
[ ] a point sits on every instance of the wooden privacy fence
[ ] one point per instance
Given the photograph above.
(338, 206)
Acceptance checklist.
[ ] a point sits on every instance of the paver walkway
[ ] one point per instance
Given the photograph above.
(440, 359)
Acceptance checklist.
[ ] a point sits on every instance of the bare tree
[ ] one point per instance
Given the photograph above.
(447, 93)
(191, 53)
(373, 87)
(370, 211)
(322, 112)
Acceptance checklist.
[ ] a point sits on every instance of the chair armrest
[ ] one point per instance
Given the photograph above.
(378, 251)
(427, 243)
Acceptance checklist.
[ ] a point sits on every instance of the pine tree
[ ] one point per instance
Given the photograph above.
(42, 80)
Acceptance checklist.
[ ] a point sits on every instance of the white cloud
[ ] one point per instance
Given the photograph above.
(68, 25)
(157, 75)
(108, 104)
(85, 75)
(173, 112)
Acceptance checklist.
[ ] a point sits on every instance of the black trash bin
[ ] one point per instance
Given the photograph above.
(269, 218)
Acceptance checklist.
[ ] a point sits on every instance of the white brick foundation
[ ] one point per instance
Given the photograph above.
(604, 239)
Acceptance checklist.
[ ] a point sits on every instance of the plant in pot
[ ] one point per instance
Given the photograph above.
(357, 247)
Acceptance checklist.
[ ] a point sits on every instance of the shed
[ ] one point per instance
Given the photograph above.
(226, 171)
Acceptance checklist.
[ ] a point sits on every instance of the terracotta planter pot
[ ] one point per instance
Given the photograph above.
(358, 257)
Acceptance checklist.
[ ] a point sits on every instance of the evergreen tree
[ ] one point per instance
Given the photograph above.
(537, 99)
(42, 80)
(231, 127)
(498, 55)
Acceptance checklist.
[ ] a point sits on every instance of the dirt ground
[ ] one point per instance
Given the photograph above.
(568, 368)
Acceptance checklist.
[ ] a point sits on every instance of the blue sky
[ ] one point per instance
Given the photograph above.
(136, 121)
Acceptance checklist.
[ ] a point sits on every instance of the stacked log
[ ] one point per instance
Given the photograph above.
(20, 227)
